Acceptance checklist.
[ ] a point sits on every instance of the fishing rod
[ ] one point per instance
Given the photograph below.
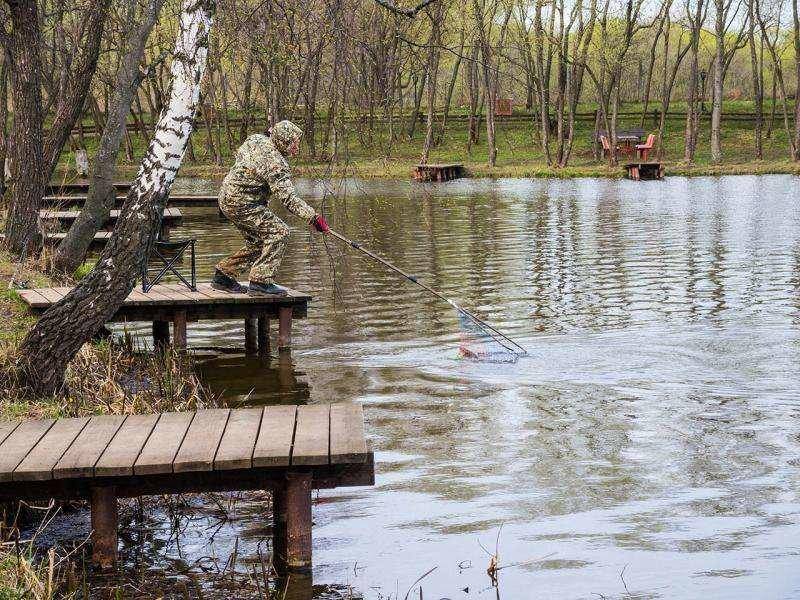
(515, 347)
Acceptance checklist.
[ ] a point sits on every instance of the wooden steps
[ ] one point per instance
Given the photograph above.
(290, 449)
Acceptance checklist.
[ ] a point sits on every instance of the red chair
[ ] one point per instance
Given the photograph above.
(642, 150)
(606, 145)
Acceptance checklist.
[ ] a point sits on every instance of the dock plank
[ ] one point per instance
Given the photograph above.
(274, 444)
(17, 445)
(159, 451)
(6, 429)
(85, 451)
(122, 452)
(348, 442)
(239, 440)
(202, 440)
(312, 435)
(38, 464)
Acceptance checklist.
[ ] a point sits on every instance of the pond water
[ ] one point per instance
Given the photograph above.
(648, 446)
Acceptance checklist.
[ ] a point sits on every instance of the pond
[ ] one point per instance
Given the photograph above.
(648, 446)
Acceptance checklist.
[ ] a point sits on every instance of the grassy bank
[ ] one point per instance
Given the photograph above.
(377, 154)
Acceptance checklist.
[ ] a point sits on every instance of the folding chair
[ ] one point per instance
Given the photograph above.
(169, 254)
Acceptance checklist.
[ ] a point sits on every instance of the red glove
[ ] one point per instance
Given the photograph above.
(320, 224)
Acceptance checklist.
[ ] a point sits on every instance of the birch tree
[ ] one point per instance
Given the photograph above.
(52, 343)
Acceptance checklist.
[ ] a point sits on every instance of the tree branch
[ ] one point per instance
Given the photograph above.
(405, 12)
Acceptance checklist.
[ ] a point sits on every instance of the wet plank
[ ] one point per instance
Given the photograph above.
(161, 447)
(80, 459)
(38, 464)
(201, 442)
(19, 443)
(239, 440)
(348, 442)
(6, 429)
(312, 435)
(274, 444)
(123, 450)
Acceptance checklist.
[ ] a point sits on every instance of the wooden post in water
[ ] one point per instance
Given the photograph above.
(104, 527)
(263, 335)
(284, 327)
(298, 521)
(251, 335)
(179, 330)
(279, 528)
(160, 334)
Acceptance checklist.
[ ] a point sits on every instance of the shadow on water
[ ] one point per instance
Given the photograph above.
(646, 448)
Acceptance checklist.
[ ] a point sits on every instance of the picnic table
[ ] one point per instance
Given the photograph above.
(627, 139)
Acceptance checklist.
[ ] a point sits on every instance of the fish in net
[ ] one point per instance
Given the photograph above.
(478, 342)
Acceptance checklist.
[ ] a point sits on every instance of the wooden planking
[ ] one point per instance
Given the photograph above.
(6, 429)
(80, 459)
(33, 298)
(201, 442)
(17, 445)
(171, 215)
(274, 444)
(123, 450)
(348, 443)
(312, 435)
(38, 464)
(161, 447)
(238, 442)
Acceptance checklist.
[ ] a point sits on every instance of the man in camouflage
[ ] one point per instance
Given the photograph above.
(261, 172)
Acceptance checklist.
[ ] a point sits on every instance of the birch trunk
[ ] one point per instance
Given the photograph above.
(719, 75)
(53, 342)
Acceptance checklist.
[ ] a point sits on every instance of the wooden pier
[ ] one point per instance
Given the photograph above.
(438, 172)
(177, 304)
(175, 200)
(99, 240)
(81, 187)
(65, 218)
(645, 171)
(288, 449)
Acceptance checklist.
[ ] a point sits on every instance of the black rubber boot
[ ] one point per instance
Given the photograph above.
(265, 289)
(227, 284)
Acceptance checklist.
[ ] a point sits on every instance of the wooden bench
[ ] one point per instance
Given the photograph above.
(176, 304)
(288, 449)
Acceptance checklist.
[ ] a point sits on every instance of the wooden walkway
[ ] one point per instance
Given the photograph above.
(291, 449)
(81, 187)
(645, 171)
(175, 200)
(177, 304)
(65, 218)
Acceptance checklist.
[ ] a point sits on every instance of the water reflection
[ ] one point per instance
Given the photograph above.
(653, 428)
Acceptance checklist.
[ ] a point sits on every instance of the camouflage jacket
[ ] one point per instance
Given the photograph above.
(260, 172)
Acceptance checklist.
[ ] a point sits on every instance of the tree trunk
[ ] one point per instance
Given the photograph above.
(27, 160)
(757, 79)
(100, 199)
(53, 342)
(719, 77)
(433, 76)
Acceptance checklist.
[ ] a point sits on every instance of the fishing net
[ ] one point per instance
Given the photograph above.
(479, 342)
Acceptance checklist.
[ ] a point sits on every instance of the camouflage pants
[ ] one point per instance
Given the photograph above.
(264, 235)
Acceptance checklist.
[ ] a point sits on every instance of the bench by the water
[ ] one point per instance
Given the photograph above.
(65, 218)
(177, 304)
(289, 449)
(63, 201)
(644, 171)
(438, 172)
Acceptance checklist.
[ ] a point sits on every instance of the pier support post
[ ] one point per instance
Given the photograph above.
(279, 528)
(250, 335)
(179, 330)
(160, 334)
(298, 521)
(284, 327)
(104, 527)
(263, 335)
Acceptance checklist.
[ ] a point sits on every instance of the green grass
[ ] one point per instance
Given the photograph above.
(375, 155)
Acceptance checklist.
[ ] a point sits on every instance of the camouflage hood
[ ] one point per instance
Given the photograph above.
(283, 134)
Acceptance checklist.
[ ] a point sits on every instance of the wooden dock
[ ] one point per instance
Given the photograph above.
(645, 171)
(176, 304)
(175, 200)
(289, 449)
(81, 187)
(99, 240)
(438, 172)
(65, 218)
